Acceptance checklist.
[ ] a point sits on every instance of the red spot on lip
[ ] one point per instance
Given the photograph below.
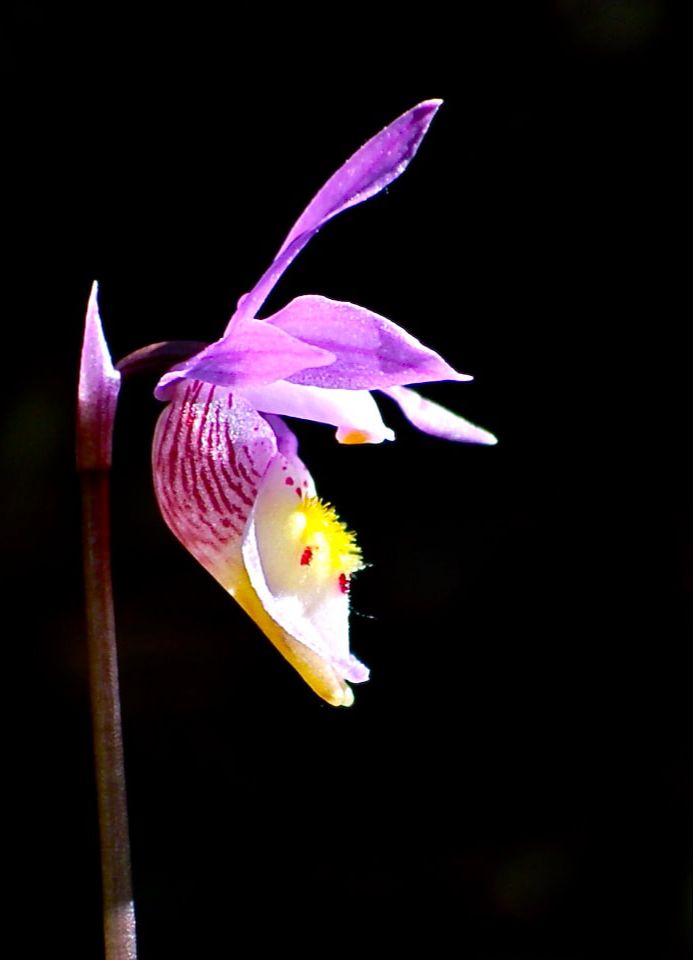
(298, 492)
(289, 481)
(344, 583)
(306, 556)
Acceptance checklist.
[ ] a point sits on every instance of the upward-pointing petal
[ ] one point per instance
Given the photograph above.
(376, 164)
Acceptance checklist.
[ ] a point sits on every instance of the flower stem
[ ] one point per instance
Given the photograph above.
(118, 905)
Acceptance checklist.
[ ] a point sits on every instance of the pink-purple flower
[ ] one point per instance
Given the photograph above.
(227, 475)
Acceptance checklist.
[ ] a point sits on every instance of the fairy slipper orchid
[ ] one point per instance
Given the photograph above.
(227, 474)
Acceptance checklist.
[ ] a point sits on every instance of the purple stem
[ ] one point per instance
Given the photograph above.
(118, 905)
(99, 384)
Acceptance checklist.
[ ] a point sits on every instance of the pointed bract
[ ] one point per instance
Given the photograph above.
(97, 396)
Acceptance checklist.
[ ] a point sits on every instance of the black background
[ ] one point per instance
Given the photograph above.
(513, 782)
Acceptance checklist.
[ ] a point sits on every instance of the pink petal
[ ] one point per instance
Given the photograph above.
(376, 164)
(371, 352)
(436, 420)
(355, 412)
(257, 353)
(210, 452)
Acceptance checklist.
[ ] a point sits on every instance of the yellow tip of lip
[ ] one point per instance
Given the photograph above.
(317, 672)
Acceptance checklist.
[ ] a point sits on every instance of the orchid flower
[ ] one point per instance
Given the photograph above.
(227, 474)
